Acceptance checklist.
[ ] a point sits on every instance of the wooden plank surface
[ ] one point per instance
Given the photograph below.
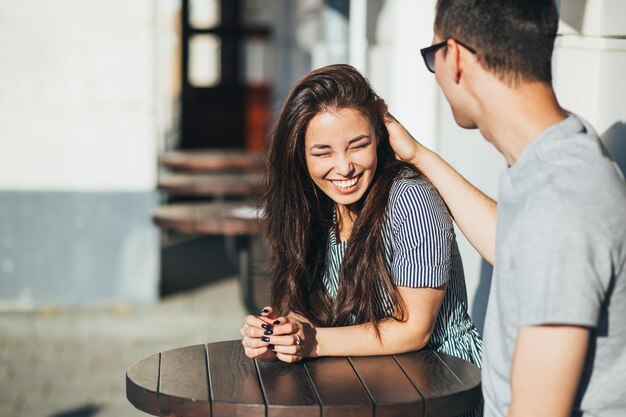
(468, 374)
(217, 184)
(185, 218)
(212, 160)
(339, 388)
(471, 396)
(215, 218)
(287, 389)
(443, 392)
(184, 382)
(392, 392)
(234, 381)
(142, 381)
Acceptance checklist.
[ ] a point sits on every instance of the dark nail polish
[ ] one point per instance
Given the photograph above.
(272, 347)
(265, 310)
(276, 322)
(268, 332)
(265, 339)
(266, 326)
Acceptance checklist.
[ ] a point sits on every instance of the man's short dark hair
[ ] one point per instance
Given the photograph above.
(513, 38)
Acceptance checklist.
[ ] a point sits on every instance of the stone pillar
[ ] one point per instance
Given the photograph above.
(590, 67)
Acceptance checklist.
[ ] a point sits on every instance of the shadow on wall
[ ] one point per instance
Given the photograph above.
(479, 308)
(614, 140)
(374, 9)
(572, 12)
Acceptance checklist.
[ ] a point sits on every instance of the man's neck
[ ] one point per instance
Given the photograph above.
(511, 118)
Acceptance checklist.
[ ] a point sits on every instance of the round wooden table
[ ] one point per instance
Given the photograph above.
(217, 380)
(238, 222)
(210, 184)
(212, 160)
(214, 218)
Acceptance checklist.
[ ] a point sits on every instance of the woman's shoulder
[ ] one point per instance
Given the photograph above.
(410, 186)
(415, 194)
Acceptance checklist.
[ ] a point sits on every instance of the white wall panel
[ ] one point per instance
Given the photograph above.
(77, 12)
(589, 78)
(77, 95)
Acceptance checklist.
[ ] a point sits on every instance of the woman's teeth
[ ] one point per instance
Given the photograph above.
(345, 184)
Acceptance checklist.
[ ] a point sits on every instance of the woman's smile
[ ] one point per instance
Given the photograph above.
(346, 186)
(341, 154)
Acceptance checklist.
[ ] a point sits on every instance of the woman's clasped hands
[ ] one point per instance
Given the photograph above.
(286, 338)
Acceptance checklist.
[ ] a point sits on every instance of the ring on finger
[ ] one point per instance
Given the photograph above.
(298, 341)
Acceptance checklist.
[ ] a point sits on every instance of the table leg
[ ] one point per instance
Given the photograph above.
(233, 245)
(245, 275)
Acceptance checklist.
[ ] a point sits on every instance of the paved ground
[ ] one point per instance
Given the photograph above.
(73, 363)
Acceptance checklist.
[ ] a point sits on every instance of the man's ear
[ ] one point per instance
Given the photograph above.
(455, 52)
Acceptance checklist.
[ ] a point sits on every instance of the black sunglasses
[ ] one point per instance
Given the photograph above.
(429, 53)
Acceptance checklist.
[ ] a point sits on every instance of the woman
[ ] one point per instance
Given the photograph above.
(362, 247)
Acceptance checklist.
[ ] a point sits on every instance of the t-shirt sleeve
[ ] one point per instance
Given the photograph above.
(562, 268)
(422, 237)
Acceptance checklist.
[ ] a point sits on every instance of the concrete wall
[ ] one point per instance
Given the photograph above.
(82, 110)
(77, 95)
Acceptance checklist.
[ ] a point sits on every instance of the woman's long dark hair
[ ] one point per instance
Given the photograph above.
(300, 216)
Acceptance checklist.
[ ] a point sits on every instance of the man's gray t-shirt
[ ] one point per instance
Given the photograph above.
(561, 259)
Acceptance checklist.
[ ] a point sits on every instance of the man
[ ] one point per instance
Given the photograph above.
(555, 331)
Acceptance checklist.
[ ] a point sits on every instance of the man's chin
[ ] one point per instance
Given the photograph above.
(464, 122)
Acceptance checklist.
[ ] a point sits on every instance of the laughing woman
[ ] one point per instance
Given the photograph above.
(363, 251)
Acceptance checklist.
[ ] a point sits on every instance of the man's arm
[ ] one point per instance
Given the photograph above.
(473, 211)
(547, 365)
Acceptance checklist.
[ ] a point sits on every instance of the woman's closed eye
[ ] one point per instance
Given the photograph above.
(321, 154)
(320, 150)
(324, 151)
(361, 145)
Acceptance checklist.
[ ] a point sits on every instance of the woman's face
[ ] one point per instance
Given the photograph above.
(340, 148)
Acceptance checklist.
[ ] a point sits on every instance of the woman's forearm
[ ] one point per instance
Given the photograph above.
(293, 337)
(361, 340)
(422, 308)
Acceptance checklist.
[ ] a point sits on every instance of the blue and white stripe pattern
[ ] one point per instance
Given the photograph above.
(421, 251)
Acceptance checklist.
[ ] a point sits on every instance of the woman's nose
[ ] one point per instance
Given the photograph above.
(344, 166)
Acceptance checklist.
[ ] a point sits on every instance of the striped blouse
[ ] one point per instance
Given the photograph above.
(421, 251)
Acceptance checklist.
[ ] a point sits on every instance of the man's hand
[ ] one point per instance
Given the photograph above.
(402, 143)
